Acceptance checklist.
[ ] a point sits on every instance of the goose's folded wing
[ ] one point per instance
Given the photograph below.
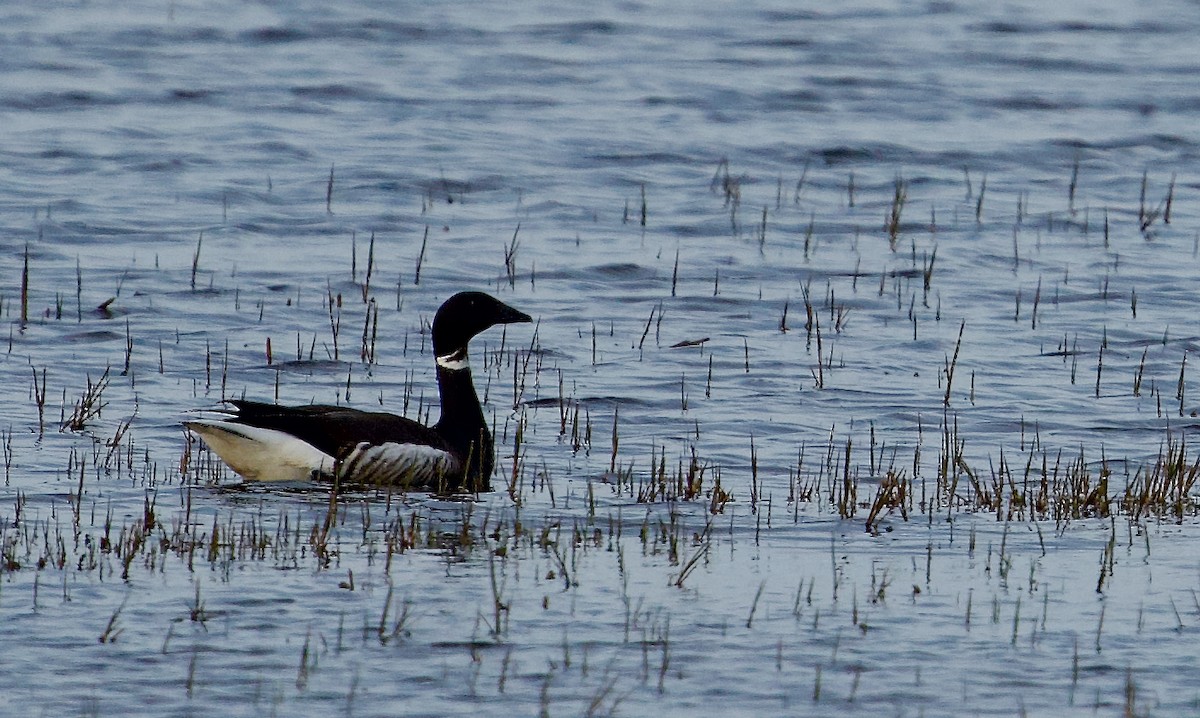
(337, 430)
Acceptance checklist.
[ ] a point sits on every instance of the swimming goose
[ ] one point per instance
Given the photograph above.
(269, 442)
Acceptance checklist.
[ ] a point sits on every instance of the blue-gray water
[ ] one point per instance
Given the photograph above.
(218, 170)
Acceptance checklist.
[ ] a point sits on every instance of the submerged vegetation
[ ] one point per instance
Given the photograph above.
(854, 476)
(848, 390)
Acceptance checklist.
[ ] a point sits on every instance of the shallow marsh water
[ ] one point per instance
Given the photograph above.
(669, 175)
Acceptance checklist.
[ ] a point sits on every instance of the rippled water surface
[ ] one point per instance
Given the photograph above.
(804, 257)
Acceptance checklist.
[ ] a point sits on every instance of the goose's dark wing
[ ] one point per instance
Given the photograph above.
(338, 430)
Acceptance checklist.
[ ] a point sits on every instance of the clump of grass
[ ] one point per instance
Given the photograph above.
(1071, 187)
(196, 260)
(39, 398)
(893, 494)
(25, 289)
(891, 224)
(675, 273)
(1165, 488)
(370, 333)
(979, 200)
(952, 363)
(643, 219)
(366, 283)
(420, 261)
(334, 304)
(111, 630)
(927, 275)
(6, 437)
(1147, 215)
(329, 192)
(88, 406)
(389, 628)
(685, 482)
(510, 258)
(818, 372)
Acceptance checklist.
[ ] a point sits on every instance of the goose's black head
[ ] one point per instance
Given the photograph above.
(466, 314)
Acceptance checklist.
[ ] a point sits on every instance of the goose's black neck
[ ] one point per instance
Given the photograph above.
(462, 423)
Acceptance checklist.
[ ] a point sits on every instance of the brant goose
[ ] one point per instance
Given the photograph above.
(268, 442)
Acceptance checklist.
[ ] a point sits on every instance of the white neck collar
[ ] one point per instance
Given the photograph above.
(454, 361)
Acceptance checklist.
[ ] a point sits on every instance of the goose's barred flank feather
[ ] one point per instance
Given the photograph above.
(269, 442)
